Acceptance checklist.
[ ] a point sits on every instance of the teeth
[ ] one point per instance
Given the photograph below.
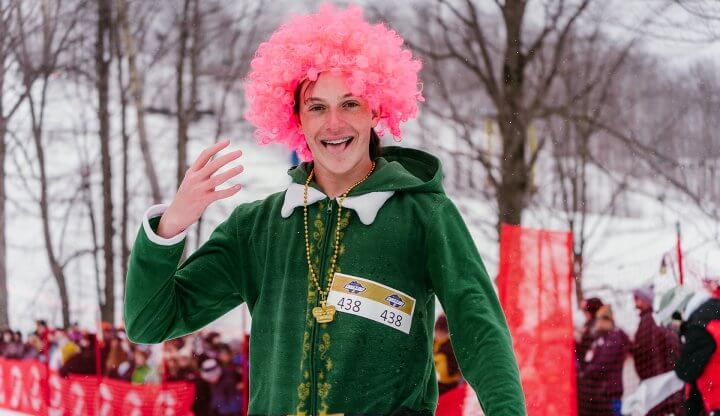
(339, 141)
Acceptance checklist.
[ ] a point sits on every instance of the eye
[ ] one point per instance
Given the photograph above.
(351, 104)
(316, 107)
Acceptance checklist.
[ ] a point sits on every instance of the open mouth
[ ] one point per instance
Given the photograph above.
(337, 145)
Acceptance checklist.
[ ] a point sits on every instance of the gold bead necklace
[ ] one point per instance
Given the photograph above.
(324, 313)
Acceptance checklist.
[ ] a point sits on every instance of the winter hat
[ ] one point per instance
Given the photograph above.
(371, 58)
(646, 293)
(592, 305)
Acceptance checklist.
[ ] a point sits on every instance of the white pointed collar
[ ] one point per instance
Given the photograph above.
(366, 205)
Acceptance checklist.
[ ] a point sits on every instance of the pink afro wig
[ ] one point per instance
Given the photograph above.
(371, 58)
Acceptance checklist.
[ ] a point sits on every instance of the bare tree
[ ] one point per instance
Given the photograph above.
(589, 83)
(103, 60)
(186, 112)
(516, 72)
(123, 93)
(43, 36)
(7, 44)
(232, 39)
(136, 86)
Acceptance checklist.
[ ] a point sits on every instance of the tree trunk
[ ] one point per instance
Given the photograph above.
(55, 266)
(102, 65)
(513, 188)
(136, 88)
(182, 121)
(186, 111)
(87, 196)
(125, 248)
(4, 314)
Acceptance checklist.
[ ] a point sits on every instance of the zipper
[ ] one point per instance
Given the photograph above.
(322, 281)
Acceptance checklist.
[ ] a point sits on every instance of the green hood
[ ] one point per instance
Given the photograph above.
(397, 169)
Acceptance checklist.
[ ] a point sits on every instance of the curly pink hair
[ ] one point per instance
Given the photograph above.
(371, 58)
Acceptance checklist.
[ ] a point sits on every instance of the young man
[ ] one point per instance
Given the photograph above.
(341, 270)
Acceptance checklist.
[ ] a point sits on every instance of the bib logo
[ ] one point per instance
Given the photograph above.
(354, 287)
(395, 301)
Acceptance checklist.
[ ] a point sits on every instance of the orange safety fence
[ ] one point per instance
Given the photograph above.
(29, 387)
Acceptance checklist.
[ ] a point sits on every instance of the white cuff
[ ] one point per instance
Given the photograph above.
(156, 211)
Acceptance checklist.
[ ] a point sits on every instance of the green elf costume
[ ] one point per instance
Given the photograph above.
(351, 332)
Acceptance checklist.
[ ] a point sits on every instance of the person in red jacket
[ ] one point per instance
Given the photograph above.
(699, 362)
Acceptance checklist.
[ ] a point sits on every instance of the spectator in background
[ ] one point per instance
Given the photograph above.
(34, 349)
(68, 348)
(600, 380)
(171, 369)
(210, 373)
(226, 391)
(142, 372)
(187, 370)
(655, 349)
(590, 308)
(699, 362)
(446, 365)
(12, 345)
(75, 333)
(84, 361)
(43, 332)
(116, 357)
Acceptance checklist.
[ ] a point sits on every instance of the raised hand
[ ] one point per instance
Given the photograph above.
(197, 189)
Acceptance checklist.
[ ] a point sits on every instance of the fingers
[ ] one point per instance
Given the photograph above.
(225, 193)
(208, 153)
(221, 178)
(221, 161)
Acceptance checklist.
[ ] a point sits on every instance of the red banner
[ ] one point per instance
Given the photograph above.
(26, 388)
(535, 284)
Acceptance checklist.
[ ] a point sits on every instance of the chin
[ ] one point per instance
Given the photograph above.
(337, 166)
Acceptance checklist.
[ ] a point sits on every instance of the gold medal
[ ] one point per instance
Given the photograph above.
(323, 313)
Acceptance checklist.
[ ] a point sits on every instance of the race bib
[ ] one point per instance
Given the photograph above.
(372, 300)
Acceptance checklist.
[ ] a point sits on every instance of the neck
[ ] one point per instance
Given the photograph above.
(334, 185)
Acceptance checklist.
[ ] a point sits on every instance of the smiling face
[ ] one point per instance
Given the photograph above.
(336, 125)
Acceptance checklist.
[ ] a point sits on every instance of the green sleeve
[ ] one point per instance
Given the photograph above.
(478, 330)
(164, 301)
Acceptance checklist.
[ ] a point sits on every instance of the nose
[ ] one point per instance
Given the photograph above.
(334, 121)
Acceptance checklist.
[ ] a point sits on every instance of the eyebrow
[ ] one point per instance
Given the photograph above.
(316, 99)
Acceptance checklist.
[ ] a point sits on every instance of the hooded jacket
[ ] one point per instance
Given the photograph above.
(699, 362)
(403, 242)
